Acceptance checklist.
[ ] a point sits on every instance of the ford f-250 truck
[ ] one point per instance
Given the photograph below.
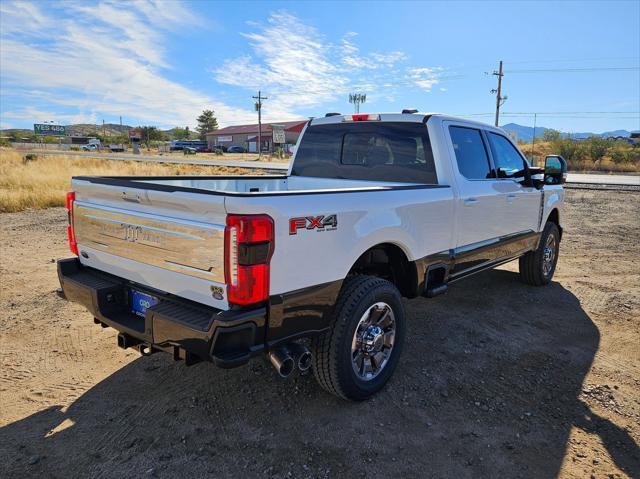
(309, 268)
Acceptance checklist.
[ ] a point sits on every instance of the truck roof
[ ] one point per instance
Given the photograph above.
(417, 117)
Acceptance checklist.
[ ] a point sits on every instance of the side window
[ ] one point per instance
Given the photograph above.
(508, 161)
(471, 154)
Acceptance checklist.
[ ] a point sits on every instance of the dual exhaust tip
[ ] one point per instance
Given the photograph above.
(286, 358)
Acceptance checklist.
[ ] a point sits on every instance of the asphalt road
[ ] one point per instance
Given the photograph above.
(602, 179)
(582, 178)
(169, 159)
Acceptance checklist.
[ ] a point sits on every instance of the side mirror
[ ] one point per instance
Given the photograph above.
(555, 170)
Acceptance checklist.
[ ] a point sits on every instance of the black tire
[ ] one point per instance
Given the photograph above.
(332, 351)
(534, 270)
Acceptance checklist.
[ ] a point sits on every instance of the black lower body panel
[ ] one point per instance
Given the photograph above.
(187, 329)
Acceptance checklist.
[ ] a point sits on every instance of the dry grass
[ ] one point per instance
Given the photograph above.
(582, 163)
(43, 182)
(176, 154)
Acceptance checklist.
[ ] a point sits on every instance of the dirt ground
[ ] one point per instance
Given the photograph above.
(497, 379)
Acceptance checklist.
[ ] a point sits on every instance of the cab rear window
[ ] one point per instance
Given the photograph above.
(388, 151)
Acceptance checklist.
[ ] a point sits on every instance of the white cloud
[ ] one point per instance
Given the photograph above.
(298, 68)
(291, 62)
(425, 77)
(32, 114)
(82, 64)
(106, 60)
(352, 58)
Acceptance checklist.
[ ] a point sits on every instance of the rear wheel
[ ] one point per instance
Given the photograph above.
(537, 267)
(358, 355)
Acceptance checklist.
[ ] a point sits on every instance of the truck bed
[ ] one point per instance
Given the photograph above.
(168, 232)
(243, 185)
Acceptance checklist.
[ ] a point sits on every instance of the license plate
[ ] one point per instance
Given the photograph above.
(141, 301)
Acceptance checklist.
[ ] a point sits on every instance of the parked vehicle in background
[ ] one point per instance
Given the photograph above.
(189, 151)
(220, 148)
(85, 140)
(375, 207)
(90, 147)
(236, 149)
(198, 145)
(116, 148)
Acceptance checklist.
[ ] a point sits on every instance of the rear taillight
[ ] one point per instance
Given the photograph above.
(249, 243)
(73, 245)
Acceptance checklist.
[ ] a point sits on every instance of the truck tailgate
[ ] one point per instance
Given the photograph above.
(154, 240)
(196, 249)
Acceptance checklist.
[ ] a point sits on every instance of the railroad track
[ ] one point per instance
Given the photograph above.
(602, 187)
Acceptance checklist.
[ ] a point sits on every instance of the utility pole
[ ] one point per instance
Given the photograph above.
(259, 109)
(533, 142)
(121, 144)
(499, 98)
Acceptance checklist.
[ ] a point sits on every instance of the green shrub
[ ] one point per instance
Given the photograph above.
(571, 150)
(279, 153)
(597, 148)
(625, 154)
(29, 157)
(74, 148)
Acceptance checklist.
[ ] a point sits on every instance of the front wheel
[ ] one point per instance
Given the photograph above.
(358, 355)
(537, 267)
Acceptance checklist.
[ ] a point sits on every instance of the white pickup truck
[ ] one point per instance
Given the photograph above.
(309, 268)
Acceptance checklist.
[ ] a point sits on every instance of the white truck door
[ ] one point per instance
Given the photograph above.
(521, 204)
(479, 204)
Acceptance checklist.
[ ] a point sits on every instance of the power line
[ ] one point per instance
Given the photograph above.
(559, 113)
(574, 70)
(565, 60)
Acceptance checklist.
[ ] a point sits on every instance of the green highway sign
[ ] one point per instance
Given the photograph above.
(49, 130)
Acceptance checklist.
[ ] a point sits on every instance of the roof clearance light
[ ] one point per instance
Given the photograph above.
(362, 117)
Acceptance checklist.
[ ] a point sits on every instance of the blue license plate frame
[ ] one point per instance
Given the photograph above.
(140, 301)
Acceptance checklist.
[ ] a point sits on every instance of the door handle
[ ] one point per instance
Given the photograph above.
(470, 201)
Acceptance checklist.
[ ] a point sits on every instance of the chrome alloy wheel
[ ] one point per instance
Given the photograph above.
(373, 341)
(549, 255)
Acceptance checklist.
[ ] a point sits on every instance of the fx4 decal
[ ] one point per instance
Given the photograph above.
(318, 223)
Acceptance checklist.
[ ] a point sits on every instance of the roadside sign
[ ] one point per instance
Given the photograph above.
(49, 130)
(278, 133)
(224, 138)
(135, 134)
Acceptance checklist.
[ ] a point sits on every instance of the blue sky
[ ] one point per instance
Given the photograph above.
(162, 62)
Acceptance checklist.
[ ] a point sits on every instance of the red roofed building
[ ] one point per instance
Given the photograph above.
(247, 135)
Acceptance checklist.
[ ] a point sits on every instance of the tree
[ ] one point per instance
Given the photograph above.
(187, 132)
(570, 150)
(149, 134)
(551, 135)
(180, 133)
(597, 148)
(206, 122)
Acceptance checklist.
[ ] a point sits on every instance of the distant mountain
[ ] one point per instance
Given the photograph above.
(525, 133)
(82, 129)
(86, 129)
